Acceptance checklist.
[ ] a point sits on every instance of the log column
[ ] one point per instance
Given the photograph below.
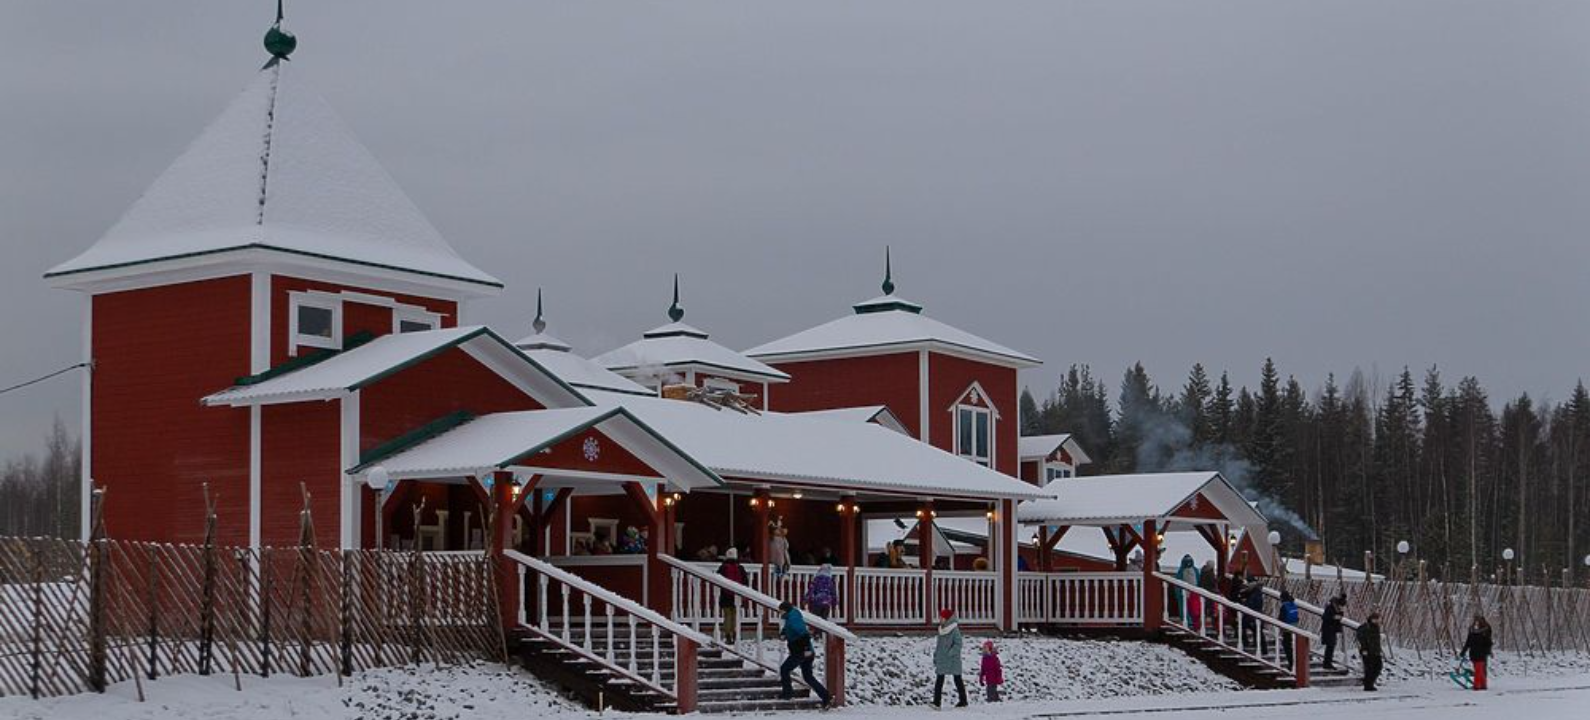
(848, 517)
(1005, 523)
(504, 505)
(924, 545)
(762, 510)
(1153, 595)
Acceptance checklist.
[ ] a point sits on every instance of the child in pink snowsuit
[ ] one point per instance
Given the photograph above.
(992, 673)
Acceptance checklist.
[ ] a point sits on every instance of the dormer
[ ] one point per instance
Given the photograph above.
(1046, 458)
(680, 354)
(950, 387)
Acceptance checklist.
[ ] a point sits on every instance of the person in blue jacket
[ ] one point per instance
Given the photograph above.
(1288, 615)
(801, 655)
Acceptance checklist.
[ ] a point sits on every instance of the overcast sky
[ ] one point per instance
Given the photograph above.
(1335, 183)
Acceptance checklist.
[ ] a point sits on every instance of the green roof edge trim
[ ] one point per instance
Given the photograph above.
(303, 361)
(411, 438)
(267, 246)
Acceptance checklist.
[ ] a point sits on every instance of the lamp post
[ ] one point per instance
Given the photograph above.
(1402, 558)
(379, 480)
(1508, 555)
(1275, 553)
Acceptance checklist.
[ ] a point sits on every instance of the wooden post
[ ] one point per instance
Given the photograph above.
(1300, 660)
(98, 651)
(834, 668)
(847, 550)
(762, 510)
(1009, 551)
(685, 674)
(924, 546)
(1153, 594)
(658, 573)
(504, 506)
(1043, 548)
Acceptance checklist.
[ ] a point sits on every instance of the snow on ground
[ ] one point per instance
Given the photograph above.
(1088, 679)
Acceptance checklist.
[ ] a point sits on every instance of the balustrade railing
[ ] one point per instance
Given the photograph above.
(1080, 598)
(890, 597)
(623, 637)
(974, 595)
(1238, 628)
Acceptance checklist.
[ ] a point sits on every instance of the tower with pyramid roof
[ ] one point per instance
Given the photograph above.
(274, 239)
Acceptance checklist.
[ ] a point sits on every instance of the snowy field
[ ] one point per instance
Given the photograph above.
(1090, 684)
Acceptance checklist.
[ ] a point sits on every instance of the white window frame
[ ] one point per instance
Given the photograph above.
(1053, 471)
(296, 340)
(402, 314)
(971, 453)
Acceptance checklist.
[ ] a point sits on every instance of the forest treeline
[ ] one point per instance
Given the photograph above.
(1361, 463)
(39, 492)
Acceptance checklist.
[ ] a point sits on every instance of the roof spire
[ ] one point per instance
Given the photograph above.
(278, 42)
(675, 311)
(539, 324)
(888, 273)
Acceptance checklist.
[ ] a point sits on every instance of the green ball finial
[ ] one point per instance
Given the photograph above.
(675, 312)
(280, 43)
(888, 273)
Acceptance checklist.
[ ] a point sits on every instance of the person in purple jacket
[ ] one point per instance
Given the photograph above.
(821, 595)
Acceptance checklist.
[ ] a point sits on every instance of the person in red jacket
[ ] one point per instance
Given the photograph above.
(992, 674)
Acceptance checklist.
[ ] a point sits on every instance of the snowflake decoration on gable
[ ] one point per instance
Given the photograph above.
(976, 397)
(1193, 504)
(592, 449)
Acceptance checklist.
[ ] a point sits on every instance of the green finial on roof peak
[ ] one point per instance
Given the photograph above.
(675, 311)
(539, 324)
(888, 273)
(279, 42)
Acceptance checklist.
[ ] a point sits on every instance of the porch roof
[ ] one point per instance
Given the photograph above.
(357, 367)
(808, 451)
(503, 441)
(1102, 500)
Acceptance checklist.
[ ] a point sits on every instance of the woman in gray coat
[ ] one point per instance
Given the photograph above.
(947, 658)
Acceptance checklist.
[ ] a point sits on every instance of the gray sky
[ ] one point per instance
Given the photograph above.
(1337, 184)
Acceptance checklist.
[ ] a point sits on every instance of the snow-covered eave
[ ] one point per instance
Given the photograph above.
(1020, 362)
(261, 257)
(733, 373)
(850, 485)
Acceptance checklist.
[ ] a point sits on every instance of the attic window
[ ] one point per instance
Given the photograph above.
(314, 322)
(1056, 471)
(407, 321)
(973, 432)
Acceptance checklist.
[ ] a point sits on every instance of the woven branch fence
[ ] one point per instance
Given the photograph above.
(77, 616)
(1427, 616)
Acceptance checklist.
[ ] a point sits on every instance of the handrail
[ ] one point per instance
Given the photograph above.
(1241, 609)
(756, 596)
(1312, 609)
(608, 597)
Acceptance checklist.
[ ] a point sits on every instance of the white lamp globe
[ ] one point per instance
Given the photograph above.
(1507, 554)
(1274, 538)
(377, 478)
(1402, 547)
(1587, 561)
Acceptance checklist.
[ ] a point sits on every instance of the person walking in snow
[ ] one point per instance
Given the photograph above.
(821, 595)
(947, 658)
(1330, 629)
(732, 570)
(801, 654)
(1287, 614)
(1477, 648)
(991, 674)
(1369, 649)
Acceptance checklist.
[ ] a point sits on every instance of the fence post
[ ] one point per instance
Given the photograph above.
(266, 588)
(1300, 660)
(37, 652)
(153, 671)
(834, 668)
(96, 617)
(685, 674)
(345, 613)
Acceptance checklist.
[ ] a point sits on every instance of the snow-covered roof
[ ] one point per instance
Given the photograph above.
(1038, 447)
(883, 324)
(278, 172)
(817, 452)
(513, 439)
(675, 347)
(365, 364)
(1116, 499)
(880, 414)
(583, 373)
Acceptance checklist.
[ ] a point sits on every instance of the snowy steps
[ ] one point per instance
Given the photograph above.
(725, 683)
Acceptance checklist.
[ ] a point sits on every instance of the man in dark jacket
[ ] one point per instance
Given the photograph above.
(1330, 628)
(801, 655)
(1369, 649)
(728, 603)
(1478, 649)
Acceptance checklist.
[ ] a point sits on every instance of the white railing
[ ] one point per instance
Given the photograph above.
(973, 595)
(613, 632)
(790, 588)
(1238, 628)
(1080, 598)
(696, 594)
(891, 597)
(1312, 617)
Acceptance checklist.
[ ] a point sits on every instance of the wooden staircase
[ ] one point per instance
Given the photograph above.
(1245, 669)
(725, 683)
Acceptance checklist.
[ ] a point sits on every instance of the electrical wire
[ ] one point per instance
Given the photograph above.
(42, 378)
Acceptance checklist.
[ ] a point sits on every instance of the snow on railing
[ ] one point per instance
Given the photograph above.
(1080, 598)
(1239, 628)
(564, 608)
